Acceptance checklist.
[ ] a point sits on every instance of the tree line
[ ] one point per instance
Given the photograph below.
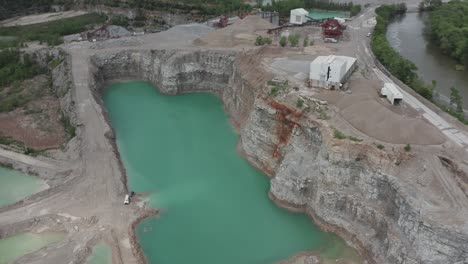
(283, 7)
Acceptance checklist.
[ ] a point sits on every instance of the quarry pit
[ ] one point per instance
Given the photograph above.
(388, 203)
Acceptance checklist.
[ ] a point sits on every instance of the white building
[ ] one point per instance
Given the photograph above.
(392, 93)
(331, 71)
(298, 16)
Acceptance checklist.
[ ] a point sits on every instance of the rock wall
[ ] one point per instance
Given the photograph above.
(345, 186)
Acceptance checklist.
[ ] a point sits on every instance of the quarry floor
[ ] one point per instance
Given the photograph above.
(90, 208)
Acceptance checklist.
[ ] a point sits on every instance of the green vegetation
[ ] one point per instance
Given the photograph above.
(10, 8)
(284, 6)
(260, 41)
(305, 43)
(355, 139)
(120, 21)
(207, 7)
(355, 9)
(340, 135)
(299, 103)
(407, 148)
(294, 40)
(380, 146)
(283, 41)
(51, 32)
(323, 114)
(67, 125)
(448, 29)
(16, 67)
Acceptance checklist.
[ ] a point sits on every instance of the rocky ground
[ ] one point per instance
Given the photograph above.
(390, 204)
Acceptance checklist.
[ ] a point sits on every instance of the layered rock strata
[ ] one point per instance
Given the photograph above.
(351, 188)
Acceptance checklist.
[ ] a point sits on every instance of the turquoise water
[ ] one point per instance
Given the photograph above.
(102, 254)
(15, 186)
(215, 208)
(319, 14)
(16, 246)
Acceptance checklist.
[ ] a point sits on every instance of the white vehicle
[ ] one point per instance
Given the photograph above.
(127, 199)
(368, 34)
(331, 40)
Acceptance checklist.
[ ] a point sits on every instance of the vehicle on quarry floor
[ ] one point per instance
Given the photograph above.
(368, 34)
(330, 40)
(127, 199)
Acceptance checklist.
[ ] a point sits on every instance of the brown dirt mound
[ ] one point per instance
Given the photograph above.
(241, 32)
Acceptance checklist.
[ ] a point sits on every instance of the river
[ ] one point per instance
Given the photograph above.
(405, 35)
(181, 150)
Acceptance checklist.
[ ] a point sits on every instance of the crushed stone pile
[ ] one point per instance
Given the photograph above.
(243, 31)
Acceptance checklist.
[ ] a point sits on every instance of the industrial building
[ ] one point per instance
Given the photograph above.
(331, 72)
(298, 16)
(392, 93)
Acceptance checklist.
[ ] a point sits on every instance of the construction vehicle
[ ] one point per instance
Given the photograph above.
(222, 22)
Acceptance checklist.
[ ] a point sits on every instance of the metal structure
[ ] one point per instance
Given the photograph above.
(99, 34)
(332, 28)
(222, 22)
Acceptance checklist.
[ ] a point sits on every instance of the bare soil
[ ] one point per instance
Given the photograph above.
(36, 124)
(374, 116)
(34, 19)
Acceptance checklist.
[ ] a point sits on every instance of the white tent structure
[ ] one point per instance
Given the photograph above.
(331, 71)
(298, 16)
(392, 93)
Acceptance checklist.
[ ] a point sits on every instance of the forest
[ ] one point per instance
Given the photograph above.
(284, 6)
(448, 29)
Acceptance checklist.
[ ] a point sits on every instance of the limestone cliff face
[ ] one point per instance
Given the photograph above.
(348, 187)
(345, 186)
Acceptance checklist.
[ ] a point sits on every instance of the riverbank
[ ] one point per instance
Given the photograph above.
(400, 67)
(406, 35)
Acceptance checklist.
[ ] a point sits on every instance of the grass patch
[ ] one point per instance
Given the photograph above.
(299, 103)
(407, 148)
(355, 139)
(277, 89)
(51, 32)
(67, 126)
(323, 114)
(340, 135)
(17, 67)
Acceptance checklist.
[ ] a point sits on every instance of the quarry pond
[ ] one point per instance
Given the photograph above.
(16, 186)
(181, 151)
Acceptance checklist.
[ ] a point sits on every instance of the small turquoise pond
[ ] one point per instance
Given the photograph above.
(15, 186)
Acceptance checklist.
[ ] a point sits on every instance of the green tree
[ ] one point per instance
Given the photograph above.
(306, 41)
(456, 99)
(259, 41)
(283, 41)
(294, 40)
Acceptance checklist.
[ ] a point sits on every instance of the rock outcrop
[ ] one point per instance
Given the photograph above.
(351, 188)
